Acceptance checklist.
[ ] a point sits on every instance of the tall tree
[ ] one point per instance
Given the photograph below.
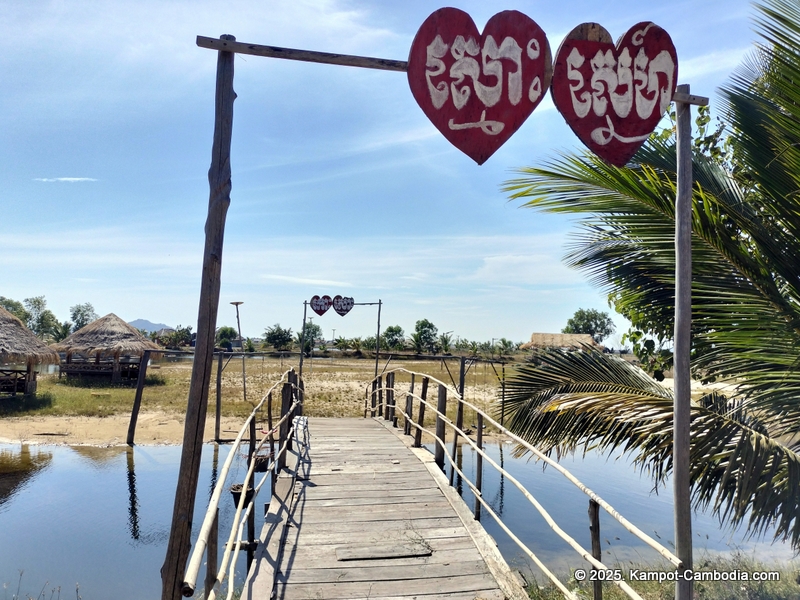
(394, 336)
(41, 320)
(427, 332)
(745, 449)
(82, 315)
(597, 324)
(278, 337)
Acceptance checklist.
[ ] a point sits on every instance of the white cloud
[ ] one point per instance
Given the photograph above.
(713, 62)
(306, 281)
(65, 179)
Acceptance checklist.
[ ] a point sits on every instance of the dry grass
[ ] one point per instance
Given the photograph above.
(335, 387)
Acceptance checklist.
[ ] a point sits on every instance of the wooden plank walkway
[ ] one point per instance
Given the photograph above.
(371, 517)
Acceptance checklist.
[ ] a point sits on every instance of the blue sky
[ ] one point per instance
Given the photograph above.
(340, 183)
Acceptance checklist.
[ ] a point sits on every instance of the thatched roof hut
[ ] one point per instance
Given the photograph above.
(108, 338)
(18, 344)
(570, 341)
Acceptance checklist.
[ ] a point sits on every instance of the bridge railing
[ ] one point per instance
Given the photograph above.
(284, 426)
(381, 401)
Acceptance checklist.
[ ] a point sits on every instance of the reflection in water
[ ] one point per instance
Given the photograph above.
(17, 468)
(133, 501)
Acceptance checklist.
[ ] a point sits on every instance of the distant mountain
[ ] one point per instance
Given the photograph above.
(148, 326)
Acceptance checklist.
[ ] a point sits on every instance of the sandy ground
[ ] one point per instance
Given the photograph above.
(152, 428)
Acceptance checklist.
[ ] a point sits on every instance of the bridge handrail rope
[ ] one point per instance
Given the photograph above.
(664, 552)
(196, 558)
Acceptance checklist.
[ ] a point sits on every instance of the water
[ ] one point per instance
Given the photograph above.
(100, 517)
(614, 480)
(97, 518)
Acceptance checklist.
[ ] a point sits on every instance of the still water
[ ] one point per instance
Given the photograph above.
(99, 518)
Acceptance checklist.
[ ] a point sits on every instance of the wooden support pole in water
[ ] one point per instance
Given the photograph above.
(441, 409)
(597, 549)
(462, 372)
(409, 408)
(219, 179)
(479, 467)
(421, 417)
(137, 399)
(218, 414)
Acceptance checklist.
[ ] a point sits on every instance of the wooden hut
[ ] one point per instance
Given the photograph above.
(566, 341)
(19, 346)
(107, 347)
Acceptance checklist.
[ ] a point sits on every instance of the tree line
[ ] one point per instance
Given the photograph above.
(33, 312)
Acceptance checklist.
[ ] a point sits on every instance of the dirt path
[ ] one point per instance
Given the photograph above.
(153, 428)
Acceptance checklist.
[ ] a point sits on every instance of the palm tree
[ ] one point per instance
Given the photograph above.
(746, 295)
(417, 342)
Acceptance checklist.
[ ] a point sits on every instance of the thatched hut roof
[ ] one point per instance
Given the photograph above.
(107, 336)
(572, 341)
(18, 344)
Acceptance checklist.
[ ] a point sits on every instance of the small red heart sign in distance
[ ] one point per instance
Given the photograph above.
(320, 305)
(342, 305)
(478, 89)
(614, 96)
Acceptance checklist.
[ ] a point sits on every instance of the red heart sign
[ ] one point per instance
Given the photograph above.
(342, 305)
(614, 96)
(320, 305)
(478, 89)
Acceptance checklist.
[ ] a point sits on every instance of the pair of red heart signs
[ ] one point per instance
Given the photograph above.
(341, 304)
(478, 88)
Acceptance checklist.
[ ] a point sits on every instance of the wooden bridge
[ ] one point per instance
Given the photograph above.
(359, 509)
(365, 515)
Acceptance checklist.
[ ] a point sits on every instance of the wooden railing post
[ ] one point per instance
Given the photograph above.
(441, 409)
(218, 415)
(380, 395)
(479, 467)
(137, 400)
(389, 413)
(274, 473)
(421, 417)
(250, 483)
(597, 549)
(459, 413)
(374, 399)
(409, 408)
(286, 402)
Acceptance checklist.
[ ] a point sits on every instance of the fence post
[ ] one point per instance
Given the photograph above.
(380, 395)
(479, 467)
(273, 474)
(597, 549)
(462, 372)
(441, 409)
(421, 418)
(217, 415)
(374, 401)
(389, 414)
(137, 401)
(286, 402)
(409, 408)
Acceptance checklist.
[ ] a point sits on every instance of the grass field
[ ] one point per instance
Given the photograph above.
(335, 387)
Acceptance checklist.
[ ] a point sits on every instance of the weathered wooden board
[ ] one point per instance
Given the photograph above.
(409, 587)
(382, 550)
(353, 572)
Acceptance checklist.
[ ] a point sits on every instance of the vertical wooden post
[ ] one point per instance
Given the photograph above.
(378, 338)
(394, 403)
(301, 394)
(286, 402)
(389, 413)
(459, 412)
(479, 467)
(212, 544)
(409, 408)
(251, 518)
(683, 332)
(597, 549)
(137, 399)
(219, 179)
(218, 415)
(380, 396)
(273, 472)
(421, 418)
(374, 398)
(30, 380)
(441, 409)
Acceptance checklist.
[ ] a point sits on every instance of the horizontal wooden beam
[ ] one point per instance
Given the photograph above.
(346, 60)
(684, 98)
